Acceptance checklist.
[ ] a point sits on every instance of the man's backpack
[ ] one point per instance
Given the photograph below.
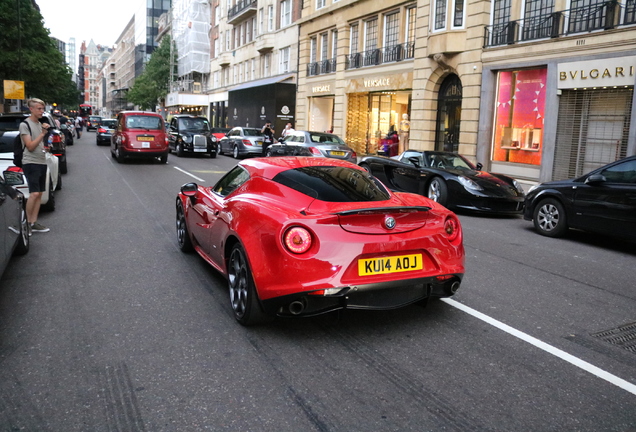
(18, 148)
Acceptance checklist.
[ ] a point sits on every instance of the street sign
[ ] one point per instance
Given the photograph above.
(13, 89)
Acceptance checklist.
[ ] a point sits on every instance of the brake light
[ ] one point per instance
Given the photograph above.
(247, 142)
(452, 228)
(101, 130)
(14, 169)
(57, 138)
(297, 240)
(354, 155)
(165, 138)
(315, 151)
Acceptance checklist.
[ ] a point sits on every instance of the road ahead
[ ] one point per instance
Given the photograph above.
(106, 326)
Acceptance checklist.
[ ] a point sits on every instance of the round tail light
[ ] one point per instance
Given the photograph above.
(451, 228)
(297, 240)
(315, 151)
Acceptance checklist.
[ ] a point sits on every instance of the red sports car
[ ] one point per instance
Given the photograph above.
(301, 236)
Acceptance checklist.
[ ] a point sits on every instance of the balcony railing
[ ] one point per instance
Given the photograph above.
(321, 67)
(603, 16)
(377, 56)
(242, 7)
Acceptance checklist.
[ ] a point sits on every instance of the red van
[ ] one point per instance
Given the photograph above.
(139, 134)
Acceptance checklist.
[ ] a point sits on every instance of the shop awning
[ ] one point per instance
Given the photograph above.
(264, 81)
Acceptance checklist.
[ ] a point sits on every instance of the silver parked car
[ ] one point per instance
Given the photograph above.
(306, 143)
(242, 141)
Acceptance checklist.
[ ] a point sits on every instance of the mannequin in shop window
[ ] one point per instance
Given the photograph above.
(405, 128)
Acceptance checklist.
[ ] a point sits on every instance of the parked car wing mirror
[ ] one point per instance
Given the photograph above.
(415, 161)
(189, 189)
(595, 179)
(479, 166)
(13, 178)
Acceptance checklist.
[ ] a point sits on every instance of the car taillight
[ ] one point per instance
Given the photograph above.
(452, 228)
(124, 139)
(247, 142)
(166, 140)
(101, 130)
(315, 151)
(297, 240)
(14, 169)
(354, 155)
(57, 138)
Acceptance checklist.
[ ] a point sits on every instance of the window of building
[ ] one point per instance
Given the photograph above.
(391, 29)
(246, 66)
(217, 15)
(439, 15)
(320, 4)
(501, 12)
(215, 79)
(324, 46)
(371, 34)
(235, 74)
(217, 48)
(253, 69)
(458, 13)
(354, 39)
(313, 48)
(285, 13)
(254, 30)
(261, 19)
(270, 18)
(410, 24)
(267, 60)
(334, 44)
(284, 55)
(228, 41)
(520, 107)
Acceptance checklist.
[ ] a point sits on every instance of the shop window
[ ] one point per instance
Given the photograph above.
(519, 119)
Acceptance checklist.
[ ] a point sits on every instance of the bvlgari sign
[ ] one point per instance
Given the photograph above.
(617, 71)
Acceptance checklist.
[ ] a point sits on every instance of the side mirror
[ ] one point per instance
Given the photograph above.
(479, 166)
(415, 161)
(595, 179)
(13, 178)
(281, 139)
(189, 189)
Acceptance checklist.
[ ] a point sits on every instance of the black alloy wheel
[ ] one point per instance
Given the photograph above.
(243, 298)
(183, 236)
(23, 239)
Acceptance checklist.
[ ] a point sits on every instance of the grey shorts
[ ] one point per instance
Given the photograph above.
(36, 177)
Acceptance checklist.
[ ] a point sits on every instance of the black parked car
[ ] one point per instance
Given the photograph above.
(9, 124)
(191, 134)
(602, 201)
(449, 179)
(14, 235)
(105, 131)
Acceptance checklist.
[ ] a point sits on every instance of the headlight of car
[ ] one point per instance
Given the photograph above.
(213, 138)
(517, 186)
(187, 139)
(469, 184)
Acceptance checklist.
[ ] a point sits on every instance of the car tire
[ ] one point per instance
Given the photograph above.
(23, 239)
(213, 155)
(119, 156)
(163, 158)
(179, 150)
(235, 152)
(183, 236)
(437, 190)
(243, 298)
(58, 186)
(366, 167)
(50, 204)
(220, 149)
(549, 218)
(63, 170)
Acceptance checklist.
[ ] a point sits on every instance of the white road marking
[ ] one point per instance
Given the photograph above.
(613, 379)
(190, 174)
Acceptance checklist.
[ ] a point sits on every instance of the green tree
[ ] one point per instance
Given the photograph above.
(29, 54)
(151, 87)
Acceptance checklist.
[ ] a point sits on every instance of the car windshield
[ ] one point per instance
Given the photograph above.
(252, 132)
(333, 184)
(448, 160)
(143, 122)
(323, 138)
(194, 124)
(10, 123)
(109, 123)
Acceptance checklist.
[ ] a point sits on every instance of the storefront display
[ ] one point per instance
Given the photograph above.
(519, 117)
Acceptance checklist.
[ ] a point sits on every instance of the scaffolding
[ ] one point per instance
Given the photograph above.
(190, 30)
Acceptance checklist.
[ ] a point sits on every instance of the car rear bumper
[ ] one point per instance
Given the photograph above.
(143, 153)
(374, 296)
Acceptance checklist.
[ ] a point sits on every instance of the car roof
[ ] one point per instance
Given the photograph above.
(140, 113)
(269, 167)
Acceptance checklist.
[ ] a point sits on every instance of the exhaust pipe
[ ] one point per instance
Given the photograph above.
(296, 307)
(454, 287)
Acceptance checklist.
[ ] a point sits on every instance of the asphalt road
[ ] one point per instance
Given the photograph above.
(106, 326)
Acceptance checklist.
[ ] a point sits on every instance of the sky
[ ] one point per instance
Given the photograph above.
(100, 20)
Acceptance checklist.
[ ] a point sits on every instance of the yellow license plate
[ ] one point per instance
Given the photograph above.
(338, 153)
(145, 138)
(395, 264)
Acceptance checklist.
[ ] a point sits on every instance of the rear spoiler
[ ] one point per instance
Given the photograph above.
(404, 209)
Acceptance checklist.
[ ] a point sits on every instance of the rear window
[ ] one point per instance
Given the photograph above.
(143, 122)
(109, 123)
(323, 138)
(10, 123)
(252, 132)
(333, 184)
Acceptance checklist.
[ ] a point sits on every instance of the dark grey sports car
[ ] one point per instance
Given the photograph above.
(449, 179)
